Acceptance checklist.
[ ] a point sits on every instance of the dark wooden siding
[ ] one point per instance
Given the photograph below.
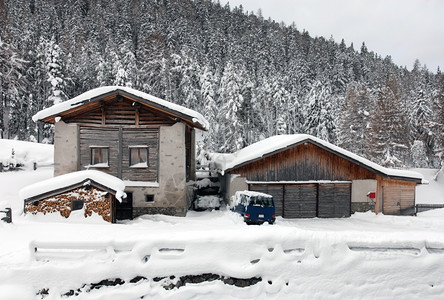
(334, 200)
(140, 137)
(107, 137)
(309, 200)
(275, 190)
(302, 163)
(188, 152)
(300, 201)
(121, 112)
(118, 141)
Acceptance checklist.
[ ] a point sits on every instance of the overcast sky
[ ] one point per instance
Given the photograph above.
(404, 29)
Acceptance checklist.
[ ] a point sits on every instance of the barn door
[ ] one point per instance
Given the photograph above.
(277, 192)
(300, 201)
(398, 199)
(334, 200)
(274, 190)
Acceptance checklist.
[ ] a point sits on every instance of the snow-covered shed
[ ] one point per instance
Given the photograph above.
(147, 142)
(310, 177)
(93, 192)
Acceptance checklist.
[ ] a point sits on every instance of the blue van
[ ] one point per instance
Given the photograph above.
(255, 207)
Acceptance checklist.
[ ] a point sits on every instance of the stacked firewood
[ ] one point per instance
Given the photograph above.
(94, 200)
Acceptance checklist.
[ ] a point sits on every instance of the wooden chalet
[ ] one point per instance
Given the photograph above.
(147, 142)
(309, 177)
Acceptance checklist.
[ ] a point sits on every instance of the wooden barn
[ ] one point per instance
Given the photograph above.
(309, 177)
(147, 142)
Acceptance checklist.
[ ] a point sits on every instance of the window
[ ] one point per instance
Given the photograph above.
(76, 205)
(138, 156)
(149, 198)
(99, 157)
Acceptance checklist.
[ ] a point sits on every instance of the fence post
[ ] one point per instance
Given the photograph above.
(1, 167)
(35, 166)
(8, 212)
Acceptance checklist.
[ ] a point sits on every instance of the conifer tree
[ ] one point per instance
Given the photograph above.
(388, 135)
(319, 120)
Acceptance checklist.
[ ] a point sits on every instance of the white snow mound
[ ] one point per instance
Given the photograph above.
(66, 180)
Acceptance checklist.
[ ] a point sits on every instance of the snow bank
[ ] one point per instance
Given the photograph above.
(208, 202)
(226, 162)
(433, 191)
(25, 153)
(366, 256)
(66, 180)
(86, 97)
(205, 182)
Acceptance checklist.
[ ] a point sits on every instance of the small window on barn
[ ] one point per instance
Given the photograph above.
(99, 156)
(149, 198)
(76, 205)
(138, 157)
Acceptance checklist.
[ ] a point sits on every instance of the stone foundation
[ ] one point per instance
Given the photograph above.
(170, 211)
(362, 207)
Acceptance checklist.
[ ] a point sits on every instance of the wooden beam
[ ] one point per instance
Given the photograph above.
(137, 117)
(103, 115)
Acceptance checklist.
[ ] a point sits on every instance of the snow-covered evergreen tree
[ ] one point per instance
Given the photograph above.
(55, 73)
(354, 123)
(288, 81)
(388, 134)
(12, 86)
(230, 114)
(319, 120)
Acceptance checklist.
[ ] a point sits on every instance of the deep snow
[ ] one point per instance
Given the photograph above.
(364, 256)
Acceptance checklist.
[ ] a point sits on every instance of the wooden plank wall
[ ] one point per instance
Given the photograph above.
(398, 197)
(146, 137)
(123, 113)
(188, 153)
(309, 200)
(119, 124)
(300, 201)
(108, 137)
(274, 190)
(334, 200)
(301, 163)
(119, 165)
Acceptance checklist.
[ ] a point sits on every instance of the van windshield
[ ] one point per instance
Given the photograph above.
(261, 201)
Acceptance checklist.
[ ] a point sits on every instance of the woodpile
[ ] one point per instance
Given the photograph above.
(94, 200)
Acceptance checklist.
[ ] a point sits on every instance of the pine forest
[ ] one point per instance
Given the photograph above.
(250, 77)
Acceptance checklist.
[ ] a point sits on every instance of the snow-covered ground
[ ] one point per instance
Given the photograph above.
(365, 256)
(433, 192)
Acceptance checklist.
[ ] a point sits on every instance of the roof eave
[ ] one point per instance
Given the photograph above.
(186, 118)
(68, 188)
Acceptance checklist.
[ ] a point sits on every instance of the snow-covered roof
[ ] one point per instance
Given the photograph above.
(95, 94)
(72, 179)
(252, 194)
(226, 162)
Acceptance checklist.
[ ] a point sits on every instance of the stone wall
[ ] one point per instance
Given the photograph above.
(171, 211)
(362, 207)
(94, 200)
(65, 148)
(170, 196)
(234, 183)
